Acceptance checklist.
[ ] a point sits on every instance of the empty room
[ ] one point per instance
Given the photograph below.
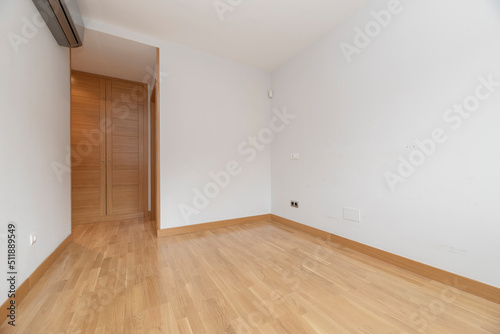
(250, 166)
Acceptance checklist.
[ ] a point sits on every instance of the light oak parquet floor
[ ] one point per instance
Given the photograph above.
(254, 278)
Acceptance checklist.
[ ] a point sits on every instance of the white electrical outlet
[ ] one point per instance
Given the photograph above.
(352, 214)
(33, 238)
(294, 156)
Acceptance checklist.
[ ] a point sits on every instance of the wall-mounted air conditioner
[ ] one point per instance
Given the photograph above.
(64, 21)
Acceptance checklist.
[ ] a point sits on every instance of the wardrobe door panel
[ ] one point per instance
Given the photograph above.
(88, 173)
(125, 153)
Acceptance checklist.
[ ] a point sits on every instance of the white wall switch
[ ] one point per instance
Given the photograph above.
(294, 156)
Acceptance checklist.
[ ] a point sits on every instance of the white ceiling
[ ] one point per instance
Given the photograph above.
(261, 33)
(114, 57)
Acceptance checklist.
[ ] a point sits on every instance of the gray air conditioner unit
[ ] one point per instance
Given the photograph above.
(64, 21)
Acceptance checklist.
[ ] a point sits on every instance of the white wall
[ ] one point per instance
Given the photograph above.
(34, 133)
(209, 106)
(355, 120)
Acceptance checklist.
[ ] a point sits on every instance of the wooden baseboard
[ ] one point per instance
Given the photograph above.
(23, 289)
(463, 283)
(208, 226)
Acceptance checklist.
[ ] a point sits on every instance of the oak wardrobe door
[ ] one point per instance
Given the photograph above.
(108, 148)
(125, 147)
(88, 147)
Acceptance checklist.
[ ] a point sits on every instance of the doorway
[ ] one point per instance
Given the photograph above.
(114, 93)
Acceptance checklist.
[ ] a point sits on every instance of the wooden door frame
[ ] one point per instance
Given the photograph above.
(156, 177)
(152, 156)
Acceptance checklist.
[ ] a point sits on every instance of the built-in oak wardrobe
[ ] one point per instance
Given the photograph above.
(108, 148)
